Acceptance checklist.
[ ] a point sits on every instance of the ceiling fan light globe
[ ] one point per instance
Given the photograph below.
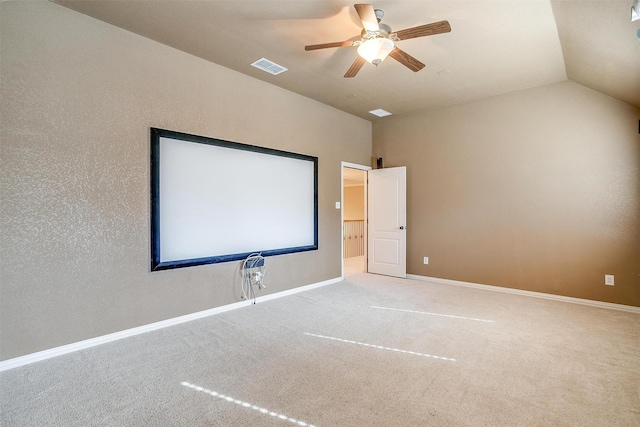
(375, 50)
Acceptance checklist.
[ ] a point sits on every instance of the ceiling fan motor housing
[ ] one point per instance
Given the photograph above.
(382, 33)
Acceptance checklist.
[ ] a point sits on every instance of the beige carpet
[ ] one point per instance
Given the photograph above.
(369, 351)
(353, 266)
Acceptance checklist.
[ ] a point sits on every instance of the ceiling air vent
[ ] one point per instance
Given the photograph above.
(380, 112)
(270, 67)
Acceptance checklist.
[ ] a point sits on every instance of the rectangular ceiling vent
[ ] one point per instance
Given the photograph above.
(380, 112)
(270, 67)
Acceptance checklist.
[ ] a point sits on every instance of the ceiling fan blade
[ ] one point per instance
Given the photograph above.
(367, 16)
(407, 60)
(355, 67)
(326, 45)
(424, 30)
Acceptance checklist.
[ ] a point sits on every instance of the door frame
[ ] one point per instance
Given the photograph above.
(366, 213)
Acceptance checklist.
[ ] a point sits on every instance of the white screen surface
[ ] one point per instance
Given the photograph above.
(217, 201)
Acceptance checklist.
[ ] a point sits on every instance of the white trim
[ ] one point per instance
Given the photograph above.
(297, 290)
(362, 168)
(355, 166)
(592, 303)
(5, 365)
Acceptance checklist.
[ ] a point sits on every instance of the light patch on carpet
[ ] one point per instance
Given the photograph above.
(380, 347)
(433, 314)
(246, 404)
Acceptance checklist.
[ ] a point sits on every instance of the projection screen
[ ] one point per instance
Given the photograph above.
(217, 201)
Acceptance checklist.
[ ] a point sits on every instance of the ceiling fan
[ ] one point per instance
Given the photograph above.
(377, 41)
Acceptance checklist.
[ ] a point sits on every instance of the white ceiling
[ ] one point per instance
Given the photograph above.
(494, 47)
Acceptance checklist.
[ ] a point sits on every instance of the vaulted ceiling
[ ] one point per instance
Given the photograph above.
(494, 47)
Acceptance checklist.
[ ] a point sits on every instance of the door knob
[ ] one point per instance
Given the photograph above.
(402, 227)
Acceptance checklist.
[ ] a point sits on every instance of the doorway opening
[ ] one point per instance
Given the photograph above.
(354, 219)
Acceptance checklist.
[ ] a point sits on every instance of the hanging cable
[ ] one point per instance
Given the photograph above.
(253, 271)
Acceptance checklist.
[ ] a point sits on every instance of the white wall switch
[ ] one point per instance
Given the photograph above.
(337, 205)
(608, 279)
(426, 260)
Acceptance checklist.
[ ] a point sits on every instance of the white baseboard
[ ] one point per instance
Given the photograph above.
(600, 304)
(92, 342)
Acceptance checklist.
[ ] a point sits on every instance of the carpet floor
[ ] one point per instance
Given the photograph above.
(368, 351)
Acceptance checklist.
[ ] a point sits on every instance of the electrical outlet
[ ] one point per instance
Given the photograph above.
(426, 260)
(608, 279)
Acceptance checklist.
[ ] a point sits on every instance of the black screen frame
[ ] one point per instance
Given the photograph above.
(156, 259)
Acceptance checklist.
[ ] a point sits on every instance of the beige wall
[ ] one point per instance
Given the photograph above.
(353, 203)
(536, 190)
(78, 98)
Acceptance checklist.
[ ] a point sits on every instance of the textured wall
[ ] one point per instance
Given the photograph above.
(536, 190)
(78, 98)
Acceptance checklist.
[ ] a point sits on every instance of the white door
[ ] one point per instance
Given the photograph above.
(387, 214)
